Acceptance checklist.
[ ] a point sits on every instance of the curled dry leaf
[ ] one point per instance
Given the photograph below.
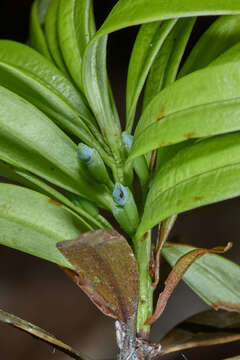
(106, 270)
(180, 268)
(40, 334)
(204, 329)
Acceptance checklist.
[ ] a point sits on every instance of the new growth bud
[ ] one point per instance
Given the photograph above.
(94, 164)
(125, 210)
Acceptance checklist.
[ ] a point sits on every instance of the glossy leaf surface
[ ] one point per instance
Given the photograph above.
(219, 37)
(27, 179)
(51, 33)
(192, 333)
(34, 223)
(106, 270)
(201, 104)
(200, 174)
(126, 13)
(98, 92)
(31, 141)
(146, 47)
(37, 18)
(212, 277)
(27, 73)
(76, 27)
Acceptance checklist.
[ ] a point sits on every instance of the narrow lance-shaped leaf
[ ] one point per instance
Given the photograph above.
(40, 334)
(212, 277)
(28, 74)
(200, 174)
(127, 13)
(76, 27)
(183, 30)
(37, 18)
(165, 69)
(201, 104)
(196, 331)
(34, 223)
(99, 258)
(166, 64)
(29, 140)
(180, 268)
(25, 178)
(146, 47)
(98, 92)
(219, 37)
(51, 32)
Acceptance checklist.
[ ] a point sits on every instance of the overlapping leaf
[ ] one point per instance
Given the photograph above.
(37, 18)
(212, 277)
(76, 27)
(51, 33)
(97, 90)
(29, 140)
(33, 182)
(202, 173)
(201, 104)
(219, 37)
(127, 13)
(30, 75)
(34, 223)
(146, 47)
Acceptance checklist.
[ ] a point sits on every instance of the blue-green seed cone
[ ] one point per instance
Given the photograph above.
(94, 164)
(125, 210)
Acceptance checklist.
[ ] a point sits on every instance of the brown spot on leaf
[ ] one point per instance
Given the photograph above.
(4, 207)
(54, 202)
(198, 198)
(190, 135)
(23, 100)
(160, 117)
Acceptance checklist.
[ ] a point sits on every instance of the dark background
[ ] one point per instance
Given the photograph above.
(39, 292)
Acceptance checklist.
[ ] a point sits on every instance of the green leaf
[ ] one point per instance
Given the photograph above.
(31, 141)
(212, 277)
(51, 32)
(127, 13)
(37, 18)
(201, 104)
(98, 93)
(230, 55)
(28, 74)
(27, 179)
(219, 37)
(32, 223)
(76, 27)
(148, 42)
(183, 30)
(200, 174)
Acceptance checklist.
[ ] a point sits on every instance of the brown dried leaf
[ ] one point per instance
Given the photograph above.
(106, 270)
(204, 329)
(179, 340)
(218, 319)
(40, 334)
(178, 271)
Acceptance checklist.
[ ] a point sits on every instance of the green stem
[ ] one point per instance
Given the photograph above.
(145, 308)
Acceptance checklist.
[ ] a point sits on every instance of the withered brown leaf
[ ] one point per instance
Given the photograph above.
(205, 329)
(106, 270)
(178, 271)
